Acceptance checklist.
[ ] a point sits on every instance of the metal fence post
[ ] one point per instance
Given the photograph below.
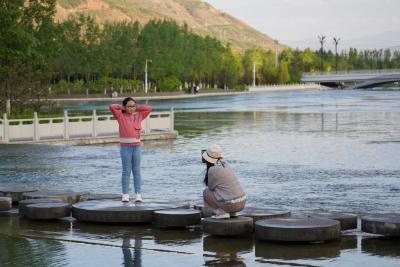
(66, 125)
(147, 125)
(6, 128)
(171, 117)
(36, 136)
(94, 123)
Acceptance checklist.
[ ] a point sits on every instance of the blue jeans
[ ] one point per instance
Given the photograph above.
(130, 157)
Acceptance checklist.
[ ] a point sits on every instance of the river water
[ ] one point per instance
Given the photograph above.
(319, 150)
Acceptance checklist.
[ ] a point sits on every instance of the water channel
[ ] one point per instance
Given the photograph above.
(313, 150)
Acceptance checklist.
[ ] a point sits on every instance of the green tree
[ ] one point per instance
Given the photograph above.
(25, 37)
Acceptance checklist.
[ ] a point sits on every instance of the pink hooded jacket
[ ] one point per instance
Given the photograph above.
(130, 125)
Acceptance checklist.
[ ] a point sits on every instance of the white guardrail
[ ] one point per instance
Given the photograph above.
(70, 127)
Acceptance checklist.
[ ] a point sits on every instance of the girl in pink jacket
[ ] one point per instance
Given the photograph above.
(129, 117)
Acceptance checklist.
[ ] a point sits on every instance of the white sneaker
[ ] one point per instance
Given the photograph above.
(125, 198)
(234, 214)
(138, 198)
(221, 216)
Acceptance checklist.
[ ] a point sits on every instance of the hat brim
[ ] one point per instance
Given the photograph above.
(209, 159)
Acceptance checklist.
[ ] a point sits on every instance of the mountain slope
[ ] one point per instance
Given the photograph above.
(201, 17)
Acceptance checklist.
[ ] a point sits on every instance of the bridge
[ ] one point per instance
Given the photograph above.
(358, 79)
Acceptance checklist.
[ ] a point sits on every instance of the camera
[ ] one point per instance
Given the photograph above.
(202, 159)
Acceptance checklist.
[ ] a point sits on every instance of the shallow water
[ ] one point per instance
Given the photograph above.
(331, 150)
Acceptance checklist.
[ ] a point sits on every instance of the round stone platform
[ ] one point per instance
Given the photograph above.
(238, 226)
(102, 196)
(205, 212)
(67, 196)
(300, 229)
(24, 203)
(15, 193)
(115, 211)
(347, 221)
(264, 213)
(176, 218)
(381, 224)
(5, 203)
(47, 211)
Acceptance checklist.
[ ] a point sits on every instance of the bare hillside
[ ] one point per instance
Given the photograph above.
(201, 17)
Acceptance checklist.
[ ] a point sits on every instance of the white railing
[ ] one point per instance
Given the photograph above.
(271, 87)
(378, 71)
(70, 127)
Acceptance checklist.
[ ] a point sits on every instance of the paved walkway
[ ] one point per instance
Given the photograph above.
(181, 95)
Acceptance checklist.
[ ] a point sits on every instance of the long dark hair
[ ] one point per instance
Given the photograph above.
(209, 165)
(125, 102)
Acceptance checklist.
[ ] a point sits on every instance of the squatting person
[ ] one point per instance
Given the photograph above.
(224, 194)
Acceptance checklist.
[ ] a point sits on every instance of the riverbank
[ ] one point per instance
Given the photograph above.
(182, 94)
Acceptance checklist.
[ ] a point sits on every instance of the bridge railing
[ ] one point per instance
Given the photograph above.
(379, 71)
(72, 127)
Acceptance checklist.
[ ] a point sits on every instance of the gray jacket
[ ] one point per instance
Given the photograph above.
(223, 181)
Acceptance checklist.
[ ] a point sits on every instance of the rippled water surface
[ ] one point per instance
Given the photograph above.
(331, 150)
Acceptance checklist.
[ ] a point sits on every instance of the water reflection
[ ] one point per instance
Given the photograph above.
(16, 250)
(177, 237)
(132, 259)
(303, 251)
(388, 247)
(226, 251)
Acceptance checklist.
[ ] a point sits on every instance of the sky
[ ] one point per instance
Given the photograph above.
(364, 24)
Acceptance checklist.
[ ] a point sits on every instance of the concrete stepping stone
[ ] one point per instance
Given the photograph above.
(264, 213)
(238, 226)
(24, 203)
(47, 211)
(67, 196)
(297, 229)
(381, 224)
(115, 211)
(176, 218)
(102, 196)
(205, 212)
(5, 203)
(15, 193)
(347, 221)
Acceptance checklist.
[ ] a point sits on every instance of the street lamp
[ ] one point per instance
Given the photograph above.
(145, 75)
(336, 41)
(254, 74)
(322, 41)
(276, 53)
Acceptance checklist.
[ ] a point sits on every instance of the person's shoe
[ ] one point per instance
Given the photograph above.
(234, 214)
(138, 198)
(221, 216)
(125, 198)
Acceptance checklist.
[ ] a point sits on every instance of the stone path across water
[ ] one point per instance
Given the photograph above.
(115, 211)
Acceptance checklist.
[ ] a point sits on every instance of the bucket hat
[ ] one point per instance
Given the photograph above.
(213, 154)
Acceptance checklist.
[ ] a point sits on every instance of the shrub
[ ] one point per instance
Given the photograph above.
(169, 84)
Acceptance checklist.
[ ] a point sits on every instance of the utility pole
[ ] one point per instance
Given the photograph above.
(145, 76)
(322, 41)
(8, 107)
(336, 42)
(276, 54)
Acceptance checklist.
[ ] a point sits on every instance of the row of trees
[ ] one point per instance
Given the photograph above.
(79, 55)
